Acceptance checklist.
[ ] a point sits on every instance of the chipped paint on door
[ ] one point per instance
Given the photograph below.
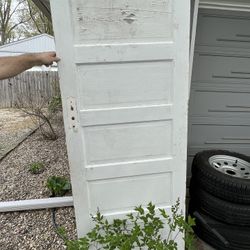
(105, 21)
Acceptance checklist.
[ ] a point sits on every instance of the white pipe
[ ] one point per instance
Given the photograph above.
(22, 205)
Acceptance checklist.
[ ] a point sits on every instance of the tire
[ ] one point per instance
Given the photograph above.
(238, 237)
(224, 211)
(222, 184)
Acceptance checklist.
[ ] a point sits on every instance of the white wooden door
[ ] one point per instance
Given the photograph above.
(124, 82)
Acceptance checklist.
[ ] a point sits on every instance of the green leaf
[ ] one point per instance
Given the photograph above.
(58, 185)
(142, 231)
(140, 210)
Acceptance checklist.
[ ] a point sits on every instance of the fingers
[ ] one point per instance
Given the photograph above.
(56, 59)
(53, 56)
(48, 58)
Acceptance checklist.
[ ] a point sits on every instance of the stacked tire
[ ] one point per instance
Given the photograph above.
(220, 199)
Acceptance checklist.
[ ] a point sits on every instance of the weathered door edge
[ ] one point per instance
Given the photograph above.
(67, 77)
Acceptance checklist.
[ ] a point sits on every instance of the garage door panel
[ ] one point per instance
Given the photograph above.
(213, 102)
(214, 135)
(219, 68)
(243, 149)
(223, 29)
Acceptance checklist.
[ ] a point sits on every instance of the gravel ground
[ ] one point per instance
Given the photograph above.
(15, 179)
(33, 229)
(14, 124)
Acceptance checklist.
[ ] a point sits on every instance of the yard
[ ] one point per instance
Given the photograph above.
(32, 229)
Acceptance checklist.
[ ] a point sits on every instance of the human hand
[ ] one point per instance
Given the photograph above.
(46, 58)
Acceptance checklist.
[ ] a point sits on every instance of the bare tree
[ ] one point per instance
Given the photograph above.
(41, 108)
(38, 23)
(9, 19)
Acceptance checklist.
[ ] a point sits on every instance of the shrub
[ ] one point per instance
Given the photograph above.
(36, 168)
(42, 108)
(58, 185)
(55, 104)
(141, 230)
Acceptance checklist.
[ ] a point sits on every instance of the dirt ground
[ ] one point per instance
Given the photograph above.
(14, 125)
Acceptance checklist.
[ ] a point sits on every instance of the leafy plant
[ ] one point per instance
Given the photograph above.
(141, 230)
(36, 167)
(58, 185)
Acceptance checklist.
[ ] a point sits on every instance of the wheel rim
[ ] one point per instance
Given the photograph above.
(230, 165)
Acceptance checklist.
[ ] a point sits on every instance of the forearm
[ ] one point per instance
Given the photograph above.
(13, 65)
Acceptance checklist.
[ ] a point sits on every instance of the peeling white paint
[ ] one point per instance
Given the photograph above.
(125, 19)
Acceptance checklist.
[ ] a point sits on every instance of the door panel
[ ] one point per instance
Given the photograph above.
(128, 20)
(147, 83)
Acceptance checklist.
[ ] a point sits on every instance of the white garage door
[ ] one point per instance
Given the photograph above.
(219, 115)
(124, 82)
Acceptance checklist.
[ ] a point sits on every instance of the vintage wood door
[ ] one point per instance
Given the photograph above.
(124, 82)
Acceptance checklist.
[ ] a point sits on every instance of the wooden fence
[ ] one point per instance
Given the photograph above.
(34, 85)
